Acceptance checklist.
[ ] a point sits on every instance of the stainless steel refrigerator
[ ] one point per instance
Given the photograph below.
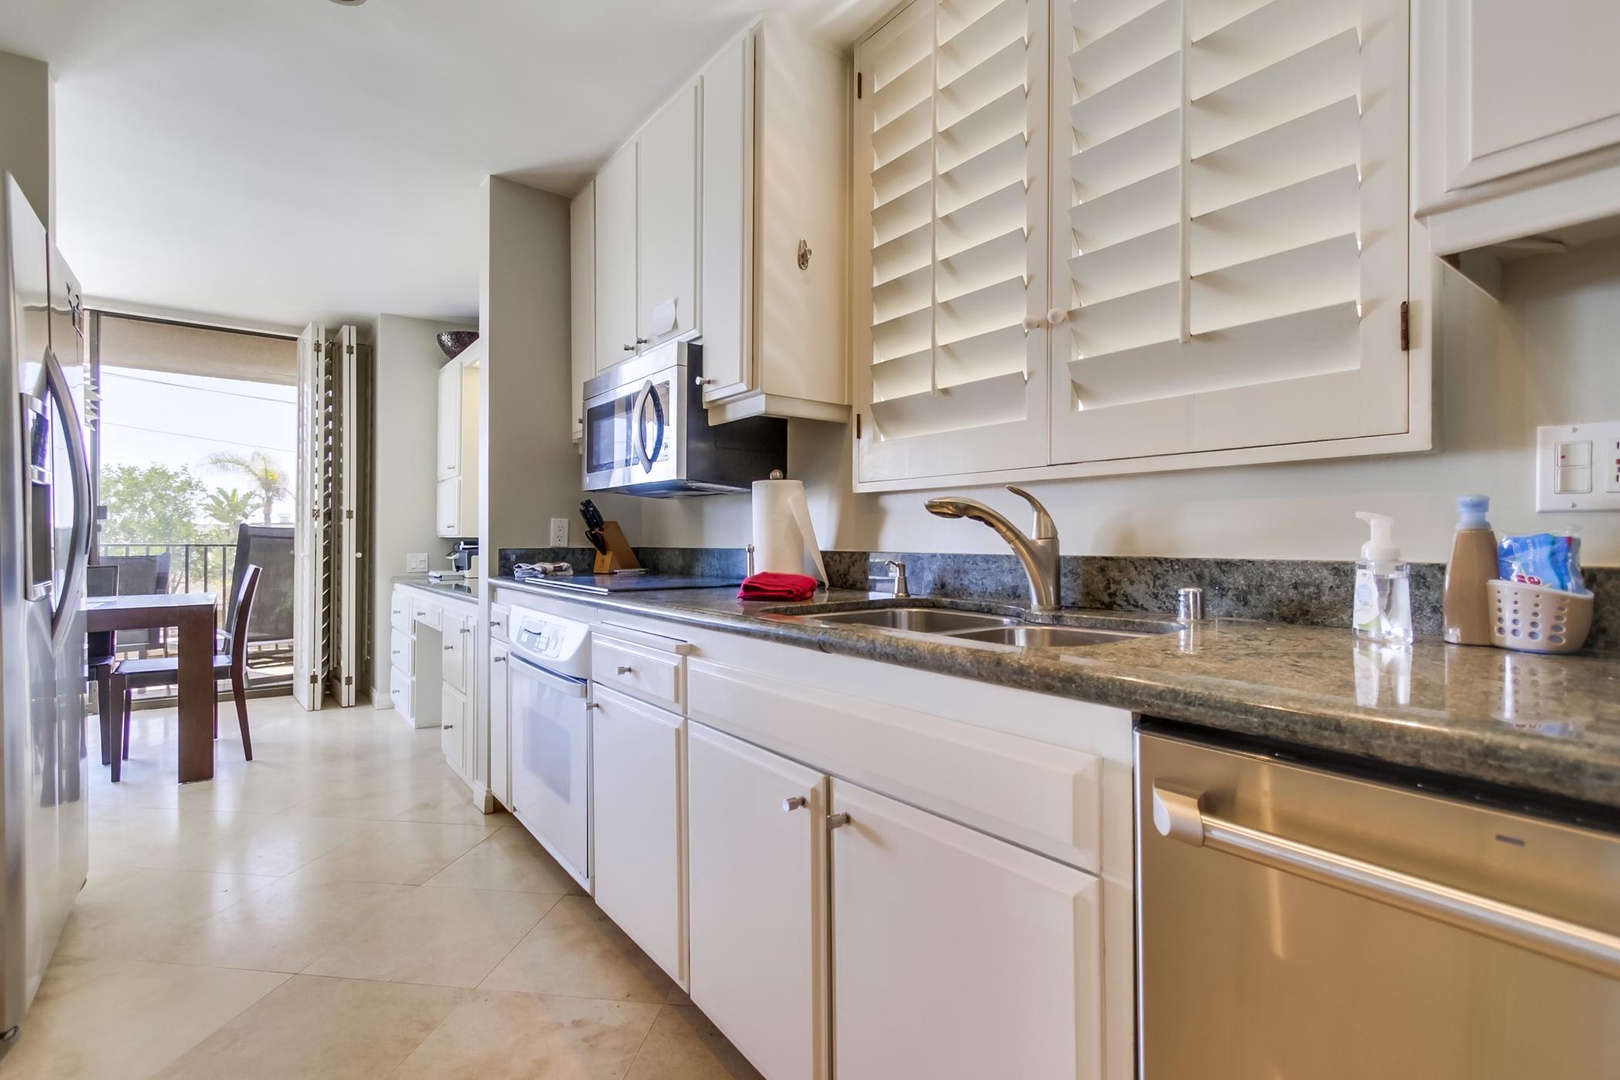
(45, 507)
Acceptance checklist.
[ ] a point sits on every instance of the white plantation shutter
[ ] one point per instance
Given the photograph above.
(1231, 180)
(951, 203)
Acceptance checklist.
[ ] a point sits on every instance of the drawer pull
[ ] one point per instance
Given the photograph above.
(837, 821)
(792, 803)
(497, 659)
(626, 669)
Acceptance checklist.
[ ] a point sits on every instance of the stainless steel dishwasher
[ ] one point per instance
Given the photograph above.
(1298, 921)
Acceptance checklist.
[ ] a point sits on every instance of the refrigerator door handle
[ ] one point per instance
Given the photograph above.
(64, 617)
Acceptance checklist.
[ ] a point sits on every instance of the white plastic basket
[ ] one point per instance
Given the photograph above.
(1534, 618)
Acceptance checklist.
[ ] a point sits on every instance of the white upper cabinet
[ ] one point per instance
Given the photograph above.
(616, 259)
(1224, 244)
(950, 192)
(666, 201)
(582, 297)
(775, 228)
(1519, 114)
(726, 220)
(457, 455)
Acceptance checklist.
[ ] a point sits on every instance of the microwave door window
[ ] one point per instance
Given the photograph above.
(609, 438)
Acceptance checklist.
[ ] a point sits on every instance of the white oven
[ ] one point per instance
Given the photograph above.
(551, 735)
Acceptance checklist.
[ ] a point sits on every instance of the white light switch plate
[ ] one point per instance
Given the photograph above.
(416, 562)
(559, 532)
(1578, 467)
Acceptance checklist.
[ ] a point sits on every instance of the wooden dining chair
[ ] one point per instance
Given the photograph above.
(133, 675)
(101, 655)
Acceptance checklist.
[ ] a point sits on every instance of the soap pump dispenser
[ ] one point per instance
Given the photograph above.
(1383, 593)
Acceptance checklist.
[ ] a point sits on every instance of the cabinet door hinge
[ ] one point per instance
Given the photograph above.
(857, 427)
(858, 85)
(1406, 326)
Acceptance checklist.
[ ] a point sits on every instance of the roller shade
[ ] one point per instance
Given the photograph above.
(1234, 187)
(151, 345)
(952, 122)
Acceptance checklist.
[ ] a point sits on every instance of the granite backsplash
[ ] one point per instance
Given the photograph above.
(1299, 592)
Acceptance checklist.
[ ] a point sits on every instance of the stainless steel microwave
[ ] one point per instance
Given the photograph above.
(647, 433)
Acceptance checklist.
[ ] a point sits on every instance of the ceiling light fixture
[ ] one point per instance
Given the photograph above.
(348, 3)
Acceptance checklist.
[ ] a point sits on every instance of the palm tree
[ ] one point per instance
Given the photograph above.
(264, 471)
(230, 507)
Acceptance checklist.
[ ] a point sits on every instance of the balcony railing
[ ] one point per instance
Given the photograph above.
(193, 568)
(202, 568)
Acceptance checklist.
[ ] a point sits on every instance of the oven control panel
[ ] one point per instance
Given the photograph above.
(562, 645)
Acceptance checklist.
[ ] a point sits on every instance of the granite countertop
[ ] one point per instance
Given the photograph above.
(1549, 724)
(463, 590)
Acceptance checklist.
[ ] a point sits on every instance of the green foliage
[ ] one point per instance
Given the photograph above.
(230, 507)
(151, 505)
(272, 482)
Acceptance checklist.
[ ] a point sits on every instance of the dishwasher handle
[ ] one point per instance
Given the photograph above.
(1179, 817)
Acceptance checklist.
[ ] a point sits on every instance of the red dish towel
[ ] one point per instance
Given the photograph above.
(778, 587)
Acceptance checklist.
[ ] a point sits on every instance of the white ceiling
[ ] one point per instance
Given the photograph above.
(288, 160)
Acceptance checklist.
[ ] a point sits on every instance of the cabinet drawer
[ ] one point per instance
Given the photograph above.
(1047, 798)
(401, 655)
(399, 611)
(499, 616)
(427, 614)
(639, 670)
(401, 689)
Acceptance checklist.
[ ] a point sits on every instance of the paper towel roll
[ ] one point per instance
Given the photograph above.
(783, 532)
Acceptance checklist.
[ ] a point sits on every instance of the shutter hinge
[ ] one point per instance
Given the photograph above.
(1406, 326)
(348, 680)
(314, 678)
(857, 427)
(350, 350)
(858, 86)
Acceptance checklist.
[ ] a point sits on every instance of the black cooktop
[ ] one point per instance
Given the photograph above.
(603, 584)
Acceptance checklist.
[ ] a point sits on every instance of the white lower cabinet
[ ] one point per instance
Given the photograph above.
(453, 727)
(500, 720)
(758, 901)
(957, 956)
(639, 852)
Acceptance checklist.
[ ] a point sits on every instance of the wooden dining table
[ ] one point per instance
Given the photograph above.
(192, 614)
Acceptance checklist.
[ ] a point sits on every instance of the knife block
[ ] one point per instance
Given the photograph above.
(619, 555)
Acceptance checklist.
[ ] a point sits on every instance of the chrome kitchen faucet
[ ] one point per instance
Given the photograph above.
(1038, 553)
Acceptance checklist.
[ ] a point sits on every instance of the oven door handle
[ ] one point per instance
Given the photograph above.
(1179, 817)
(556, 682)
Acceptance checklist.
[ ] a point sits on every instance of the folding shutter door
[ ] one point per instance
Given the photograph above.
(952, 121)
(1233, 183)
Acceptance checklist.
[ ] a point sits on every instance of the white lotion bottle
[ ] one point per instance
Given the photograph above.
(1383, 591)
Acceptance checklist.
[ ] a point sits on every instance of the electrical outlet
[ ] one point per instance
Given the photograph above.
(416, 562)
(559, 532)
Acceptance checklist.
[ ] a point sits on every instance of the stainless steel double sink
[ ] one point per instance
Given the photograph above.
(975, 626)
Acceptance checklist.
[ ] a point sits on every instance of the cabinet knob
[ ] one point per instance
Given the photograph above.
(625, 669)
(629, 348)
(837, 821)
(449, 648)
(497, 659)
(699, 380)
(641, 341)
(792, 803)
(452, 727)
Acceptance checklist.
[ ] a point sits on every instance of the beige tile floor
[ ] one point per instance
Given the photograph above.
(336, 908)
